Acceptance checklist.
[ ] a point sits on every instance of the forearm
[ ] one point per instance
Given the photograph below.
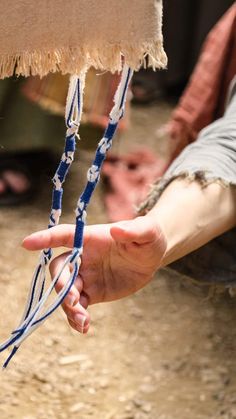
(191, 215)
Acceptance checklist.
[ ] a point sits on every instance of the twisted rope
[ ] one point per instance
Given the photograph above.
(35, 312)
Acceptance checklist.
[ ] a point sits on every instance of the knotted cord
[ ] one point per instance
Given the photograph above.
(35, 312)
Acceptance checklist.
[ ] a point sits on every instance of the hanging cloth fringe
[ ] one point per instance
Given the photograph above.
(66, 36)
(36, 312)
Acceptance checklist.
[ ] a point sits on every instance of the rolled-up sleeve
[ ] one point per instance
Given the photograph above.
(211, 158)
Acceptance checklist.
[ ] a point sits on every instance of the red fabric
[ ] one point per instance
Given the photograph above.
(204, 98)
(128, 178)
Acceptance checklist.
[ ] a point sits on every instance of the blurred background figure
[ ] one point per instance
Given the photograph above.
(185, 26)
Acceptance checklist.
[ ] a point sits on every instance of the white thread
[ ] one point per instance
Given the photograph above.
(55, 214)
(72, 130)
(75, 117)
(81, 214)
(68, 157)
(76, 255)
(116, 114)
(70, 96)
(104, 145)
(36, 309)
(46, 255)
(80, 205)
(84, 216)
(57, 182)
(93, 173)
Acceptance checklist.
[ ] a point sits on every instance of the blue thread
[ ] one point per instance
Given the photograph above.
(22, 329)
(13, 340)
(79, 231)
(125, 89)
(33, 291)
(62, 170)
(70, 143)
(14, 350)
(42, 289)
(87, 193)
(98, 161)
(57, 198)
(48, 253)
(71, 283)
(110, 131)
(75, 253)
(51, 218)
(99, 158)
(68, 121)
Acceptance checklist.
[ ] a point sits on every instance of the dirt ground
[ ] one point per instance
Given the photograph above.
(167, 352)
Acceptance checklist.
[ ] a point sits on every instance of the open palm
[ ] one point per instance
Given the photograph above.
(118, 259)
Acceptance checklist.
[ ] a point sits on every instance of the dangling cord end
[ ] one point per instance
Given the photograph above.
(14, 350)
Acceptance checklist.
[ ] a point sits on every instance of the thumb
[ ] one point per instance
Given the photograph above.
(141, 230)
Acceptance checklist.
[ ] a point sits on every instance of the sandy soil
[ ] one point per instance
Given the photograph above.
(167, 352)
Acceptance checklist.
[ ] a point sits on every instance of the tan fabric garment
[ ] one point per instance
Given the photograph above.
(50, 35)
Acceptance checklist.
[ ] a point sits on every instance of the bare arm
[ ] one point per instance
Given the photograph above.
(191, 215)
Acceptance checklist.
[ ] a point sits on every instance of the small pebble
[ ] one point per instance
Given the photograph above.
(77, 407)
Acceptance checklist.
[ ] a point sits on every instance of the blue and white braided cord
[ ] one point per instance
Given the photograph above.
(35, 312)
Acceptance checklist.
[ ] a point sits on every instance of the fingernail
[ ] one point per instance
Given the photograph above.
(80, 319)
(32, 235)
(70, 300)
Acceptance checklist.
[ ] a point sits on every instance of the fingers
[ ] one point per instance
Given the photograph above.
(58, 236)
(77, 315)
(77, 328)
(141, 230)
(62, 235)
(84, 299)
(55, 266)
(74, 304)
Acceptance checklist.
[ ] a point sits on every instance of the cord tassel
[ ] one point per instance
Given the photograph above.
(35, 311)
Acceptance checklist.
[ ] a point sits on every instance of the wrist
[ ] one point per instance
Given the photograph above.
(161, 237)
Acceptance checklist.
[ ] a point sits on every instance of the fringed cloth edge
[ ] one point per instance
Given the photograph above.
(156, 190)
(73, 60)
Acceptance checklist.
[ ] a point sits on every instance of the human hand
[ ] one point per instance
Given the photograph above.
(118, 259)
